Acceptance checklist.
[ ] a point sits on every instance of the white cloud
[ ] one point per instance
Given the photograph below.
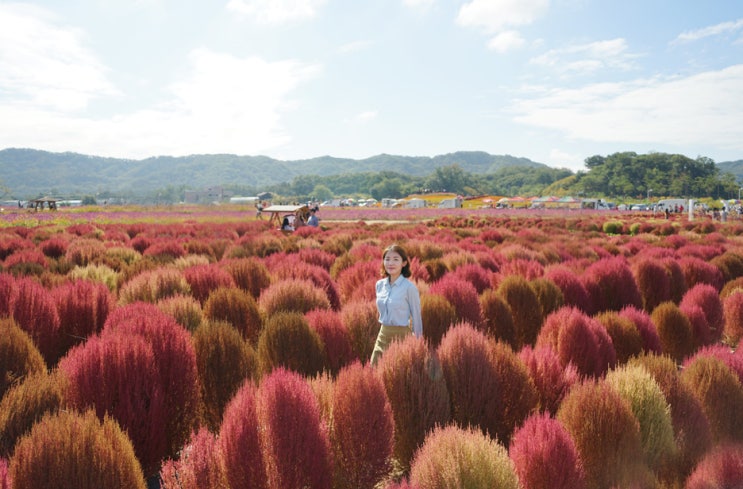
(354, 46)
(46, 64)
(419, 4)
(496, 15)
(226, 104)
(366, 116)
(704, 109)
(562, 159)
(709, 31)
(506, 41)
(277, 11)
(590, 57)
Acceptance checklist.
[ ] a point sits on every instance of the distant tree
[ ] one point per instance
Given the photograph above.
(387, 188)
(450, 178)
(89, 200)
(322, 193)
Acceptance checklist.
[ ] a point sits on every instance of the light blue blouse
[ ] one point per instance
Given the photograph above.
(399, 303)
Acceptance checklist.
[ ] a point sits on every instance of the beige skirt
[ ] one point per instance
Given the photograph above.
(388, 334)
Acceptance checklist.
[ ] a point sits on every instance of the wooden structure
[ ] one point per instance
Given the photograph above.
(38, 204)
(278, 212)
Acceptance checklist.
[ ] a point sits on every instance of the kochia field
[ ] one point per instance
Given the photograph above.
(201, 347)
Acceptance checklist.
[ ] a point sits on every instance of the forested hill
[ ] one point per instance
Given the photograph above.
(28, 172)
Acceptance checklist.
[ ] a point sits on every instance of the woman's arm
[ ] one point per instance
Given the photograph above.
(414, 301)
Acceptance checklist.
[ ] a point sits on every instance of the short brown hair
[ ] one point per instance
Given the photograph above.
(403, 254)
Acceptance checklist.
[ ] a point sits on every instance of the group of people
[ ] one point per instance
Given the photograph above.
(296, 221)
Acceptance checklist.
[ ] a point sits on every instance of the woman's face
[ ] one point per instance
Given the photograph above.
(393, 263)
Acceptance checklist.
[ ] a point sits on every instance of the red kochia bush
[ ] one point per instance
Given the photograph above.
(708, 299)
(417, 391)
(83, 308)
(7, 293)
(34, 310)
(334, 335)
(611, 285)
(295, 442)
(438, 315)
(75, 450)
(733, 313)
(357, 281)
(573, 291)
(239, 441)
(200, 465)
(606, 434)
(203, 279)
(580, 340)
(176, 364)
(4, 481)
(362, 322)
(624, 335)
(238, 308)
(116, 376)
(551, 380)
(293, 295)
(475, 274)
(488, 385)
(19, 356)
(545, 456)
(645, 326)
(697, 271)
(249, 274)
(297, 269)
(722, 468)
(462, 295)
(525, 309)
(362, 436)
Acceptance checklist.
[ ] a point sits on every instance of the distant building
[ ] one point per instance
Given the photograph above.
(206, 196)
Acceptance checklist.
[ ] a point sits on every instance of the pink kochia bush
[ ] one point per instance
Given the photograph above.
(489, 387)
(722, 468)
(295, 442)
(334, 335)
(362, 434)
(176, 368)
(83, 308)
(573, 291)
(462, 295)
(34, 310)
(545, 456)
(645, 326)
(611, 285)
(200, 465)
(417, 392)
(203, 279)
(708, 299)
(551, 380)
(580, 340)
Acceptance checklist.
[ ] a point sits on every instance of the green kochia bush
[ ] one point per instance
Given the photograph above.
(454, 457)
(438, 315)
(67, 449)
(288, 341)
(238, 308)
(674, 330)
(526, 310)
(19, 356)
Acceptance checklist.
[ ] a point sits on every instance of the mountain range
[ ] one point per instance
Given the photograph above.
(28, 172)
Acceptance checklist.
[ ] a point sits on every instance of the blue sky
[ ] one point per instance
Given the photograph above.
(551, 80)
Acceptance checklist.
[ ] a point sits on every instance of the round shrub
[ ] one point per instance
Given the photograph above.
(525, 309)
(580, 340)
(475, 274)
(295, 444)
(606, 434)
(362, 322)
(24, 405)
(720, 393)
(730, 265)
(624, 335)
(291, 267)
(250, 274)
(19, 357)
(636, 386)
(551, 380)
(203, 279)
(200, 465)
(329, 326)
(356, 282)
(496, 317)
(544, 455)
(722, 468)
(83, 308)
(733, 318)
(697, 271)
(645, 326)
(653, 282)
(184, 309)
(362, 435)
(708, 299)
(417, 392)
(154, 285)
(573, 291)
(239, 441)
(288, 341)
(34, 310)
(236, 307)
(54, 247)
(460, 294)
(488, 386)
(674, 330)
(700, 329)
(611, 285)
(224, 361)
(67, 449)
(292, 295)
(460, 457)
(175, 368)
(438, 315)
(549, 295)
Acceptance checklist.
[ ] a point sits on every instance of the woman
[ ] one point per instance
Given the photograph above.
(398, 301)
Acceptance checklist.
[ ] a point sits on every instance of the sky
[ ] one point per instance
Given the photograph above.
(555, 81)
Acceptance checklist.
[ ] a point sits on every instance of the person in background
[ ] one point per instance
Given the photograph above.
(313, 220)
(286, 225)
(398, 301)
